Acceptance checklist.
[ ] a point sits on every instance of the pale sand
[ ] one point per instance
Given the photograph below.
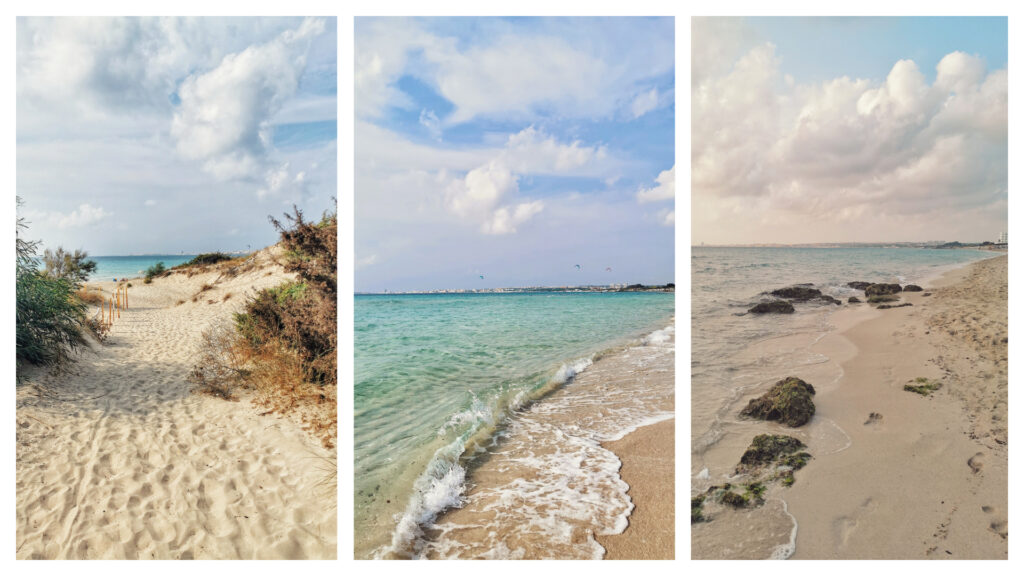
(928, 479)
(117, 459)
(648, 466)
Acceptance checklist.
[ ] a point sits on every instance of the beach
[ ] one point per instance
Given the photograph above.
(118, 459)
(481, 419)
(893, 473)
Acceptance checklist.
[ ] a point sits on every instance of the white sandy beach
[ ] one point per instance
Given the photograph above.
(118, 459)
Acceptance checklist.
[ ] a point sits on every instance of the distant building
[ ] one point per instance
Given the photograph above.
(1002, 238)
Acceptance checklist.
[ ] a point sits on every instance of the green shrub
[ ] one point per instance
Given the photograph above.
(208, 258)
(49, 316)
(71, 266)
(154, 271)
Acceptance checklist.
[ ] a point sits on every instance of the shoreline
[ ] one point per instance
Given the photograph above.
(648, 467)
(876, 447)
(882, 498)
(550, 485)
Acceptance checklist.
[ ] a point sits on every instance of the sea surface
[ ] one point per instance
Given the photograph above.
(110, 267)
(737, 355)
(440, 379)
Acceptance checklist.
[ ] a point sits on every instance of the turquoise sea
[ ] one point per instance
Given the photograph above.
(438, 376)
(110, 267)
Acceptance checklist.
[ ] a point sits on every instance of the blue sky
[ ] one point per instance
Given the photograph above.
(513, 149)
(813, 49)
(848, 129)
(168, 135)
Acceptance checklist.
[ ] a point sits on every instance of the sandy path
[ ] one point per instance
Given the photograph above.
(117, 459)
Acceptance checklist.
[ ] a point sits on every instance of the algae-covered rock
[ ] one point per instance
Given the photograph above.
(882, 298)
(799, 292)
(733, 499)
(858, 285)
(788, 401)
(766, 448)
(831, 300)
(773, 307)
(697, 509)
(881, 289)
(912, 288)
(854, 300)
(887, 306)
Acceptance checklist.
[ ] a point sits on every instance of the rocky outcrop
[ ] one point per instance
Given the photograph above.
(788, 401)
(766, 449)
(858, 285)
(773, 307)
(830, 300)
(882, 289)
(887, 306)
(854, 300)
(800, 292)
(912, 288)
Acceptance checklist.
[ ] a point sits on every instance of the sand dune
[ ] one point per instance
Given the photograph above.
(117, 459)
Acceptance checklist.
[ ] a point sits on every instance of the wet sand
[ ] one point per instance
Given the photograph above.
(552, 485)
(648, 466)
(895, 474)
(116, 458)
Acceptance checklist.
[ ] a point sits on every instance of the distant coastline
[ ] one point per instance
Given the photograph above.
(936, 244)
(670, 287)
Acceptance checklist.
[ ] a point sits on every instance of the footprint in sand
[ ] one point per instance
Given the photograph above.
(976, 462)
(844, 526)
(998, 523)
(874, 419)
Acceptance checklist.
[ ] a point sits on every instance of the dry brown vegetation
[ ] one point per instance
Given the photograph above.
(93, 297)
(283, 346)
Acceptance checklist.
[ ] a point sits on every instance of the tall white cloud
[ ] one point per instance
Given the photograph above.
(224, 117)
(776, 160)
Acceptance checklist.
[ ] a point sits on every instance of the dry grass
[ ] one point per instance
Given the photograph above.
(180, 302)
(219, 370)
(93, 297)
(226, 297)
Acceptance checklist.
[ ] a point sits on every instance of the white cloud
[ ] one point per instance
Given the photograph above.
(150, 202)
(366, 261)
(665, 190)
(644, 103)
(844, 158)
(667, 217)
(531, 150)
(224, 117)
(429, 121)
(83, 216)
(507, 71)
(281, 180)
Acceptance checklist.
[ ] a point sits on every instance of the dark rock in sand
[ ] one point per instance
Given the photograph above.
(854, 300)
(882, 298)
(882, 289)
(831, 300)
(766, 448)
(887, 306)
(858, 285)
(912, 288)
(926, 294)
(733, 499)
(799, 292)
(788, 401)
(773, 307)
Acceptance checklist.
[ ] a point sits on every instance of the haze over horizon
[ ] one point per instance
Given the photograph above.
(833, 130)
(170, 135)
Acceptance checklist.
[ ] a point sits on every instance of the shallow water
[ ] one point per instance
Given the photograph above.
(737, 356)
(439, 378)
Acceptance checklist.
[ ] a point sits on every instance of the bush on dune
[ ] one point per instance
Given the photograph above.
(50, 318)
(285, 340)
(154, 271)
